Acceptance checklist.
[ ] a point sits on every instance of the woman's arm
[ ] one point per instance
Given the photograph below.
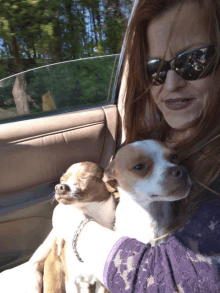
(189, 261)
(94, 246)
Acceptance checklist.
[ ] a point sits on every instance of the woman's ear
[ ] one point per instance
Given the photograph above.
(109, 177)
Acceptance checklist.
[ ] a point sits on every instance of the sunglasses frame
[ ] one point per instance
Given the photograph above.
(170, 65)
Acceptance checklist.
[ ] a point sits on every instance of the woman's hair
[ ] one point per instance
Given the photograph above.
(200, 153)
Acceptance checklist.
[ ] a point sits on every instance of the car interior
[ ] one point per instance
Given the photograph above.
(50, 126)
(34, 155)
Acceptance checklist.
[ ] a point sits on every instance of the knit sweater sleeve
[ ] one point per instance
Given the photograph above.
(188, 261)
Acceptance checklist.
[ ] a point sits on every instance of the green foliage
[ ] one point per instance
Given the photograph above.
(34, 33)
(114, 35)
(100, 50)
(21, 18)
(59, 30)
(6, 98)
(72, 84)
(2, 72)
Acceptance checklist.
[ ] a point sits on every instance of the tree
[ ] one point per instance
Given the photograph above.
(37, 32)
(115, 23)
(20, 25)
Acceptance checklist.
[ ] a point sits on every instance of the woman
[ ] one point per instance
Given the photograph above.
(182, 97)
(184, 94)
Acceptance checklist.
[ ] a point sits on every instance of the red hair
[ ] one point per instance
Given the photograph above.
(200, 153)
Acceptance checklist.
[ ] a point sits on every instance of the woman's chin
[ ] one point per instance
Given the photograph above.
(178, 123)
(179, 119)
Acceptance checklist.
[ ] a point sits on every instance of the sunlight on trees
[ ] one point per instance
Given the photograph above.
(44, 32)
(35, 33)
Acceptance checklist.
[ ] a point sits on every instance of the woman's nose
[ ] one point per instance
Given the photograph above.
(174, 81)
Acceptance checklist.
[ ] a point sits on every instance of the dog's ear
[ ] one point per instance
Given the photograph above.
(109, 177)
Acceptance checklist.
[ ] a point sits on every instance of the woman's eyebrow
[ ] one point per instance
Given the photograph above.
(186, 48)
(192, 47)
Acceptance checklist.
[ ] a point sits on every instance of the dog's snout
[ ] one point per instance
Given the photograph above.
(62, 188)
(179, 172)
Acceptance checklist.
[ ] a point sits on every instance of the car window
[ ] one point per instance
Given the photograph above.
(58, 55)
(63, 86)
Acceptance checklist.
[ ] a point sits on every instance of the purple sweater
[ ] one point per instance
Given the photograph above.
(188, 261)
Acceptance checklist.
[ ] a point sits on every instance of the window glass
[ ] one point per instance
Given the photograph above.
(65, 51)
(66, 85)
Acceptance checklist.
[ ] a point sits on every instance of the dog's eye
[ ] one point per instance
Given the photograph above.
(174, 158)
(139, 167)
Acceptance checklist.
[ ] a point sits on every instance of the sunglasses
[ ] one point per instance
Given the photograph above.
(190, 65)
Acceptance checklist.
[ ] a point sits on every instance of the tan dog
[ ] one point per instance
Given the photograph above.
(82, 187)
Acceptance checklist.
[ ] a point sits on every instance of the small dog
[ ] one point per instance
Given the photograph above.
(148, 178)
(82, 187)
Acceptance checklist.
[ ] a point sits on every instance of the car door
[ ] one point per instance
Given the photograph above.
(34, 153)
(57, 113)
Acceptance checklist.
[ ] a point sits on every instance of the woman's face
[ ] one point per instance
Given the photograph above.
(189, 32)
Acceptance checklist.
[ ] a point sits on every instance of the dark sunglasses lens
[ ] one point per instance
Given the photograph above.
(156, 72)
(195, 65)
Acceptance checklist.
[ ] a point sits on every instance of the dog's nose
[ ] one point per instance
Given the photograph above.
(62, 188)
(178, 172)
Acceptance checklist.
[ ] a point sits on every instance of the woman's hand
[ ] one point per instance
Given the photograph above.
(66, 220)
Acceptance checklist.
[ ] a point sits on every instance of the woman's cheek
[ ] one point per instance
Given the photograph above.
(156, 96)
(155, 93)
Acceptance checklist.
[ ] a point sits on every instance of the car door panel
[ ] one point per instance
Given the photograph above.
(20, 238)
(34, 154)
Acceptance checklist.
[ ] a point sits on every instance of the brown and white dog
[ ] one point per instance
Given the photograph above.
(81, 187)
(148, 178)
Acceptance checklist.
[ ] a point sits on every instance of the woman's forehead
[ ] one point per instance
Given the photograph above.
(184, 29)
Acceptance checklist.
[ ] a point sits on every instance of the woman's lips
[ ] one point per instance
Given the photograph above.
(178, 104)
